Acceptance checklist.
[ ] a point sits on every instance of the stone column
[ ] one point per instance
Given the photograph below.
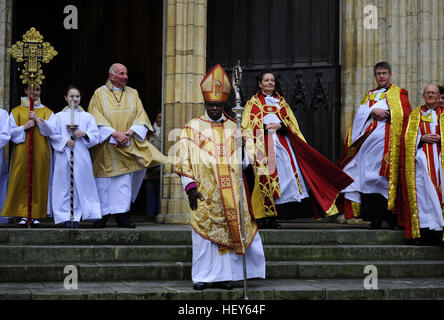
(5, 44)
(184, 68)
(5, 58)
(409, 35)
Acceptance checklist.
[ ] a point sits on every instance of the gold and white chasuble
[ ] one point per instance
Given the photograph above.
(109, 161)
(206, 153)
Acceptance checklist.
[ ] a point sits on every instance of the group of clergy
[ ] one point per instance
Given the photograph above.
(85, 165)
(394, 156)
(390, 169)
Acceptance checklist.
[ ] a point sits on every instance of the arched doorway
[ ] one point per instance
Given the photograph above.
(129, 32)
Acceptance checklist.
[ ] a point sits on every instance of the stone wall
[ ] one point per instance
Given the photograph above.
(409, 35)
(5, 43)
(185, 67)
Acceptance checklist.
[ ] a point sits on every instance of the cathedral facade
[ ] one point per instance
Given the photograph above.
(323, 50)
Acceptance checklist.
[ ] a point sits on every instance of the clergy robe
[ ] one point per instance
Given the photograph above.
(372, 152)
(5, 136)
(16, 204)
(119, 172)
(86, 198)
(206, 157)
(424, 172)
(287, 168)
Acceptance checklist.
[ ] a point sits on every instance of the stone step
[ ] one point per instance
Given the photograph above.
(101, 272)
(170, 235)
(285, 289)
(105, 253)
(171, 253)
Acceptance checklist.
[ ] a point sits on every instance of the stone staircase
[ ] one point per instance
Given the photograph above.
(304, 261)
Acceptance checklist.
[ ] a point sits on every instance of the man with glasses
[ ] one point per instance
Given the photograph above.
(424, 171)
(372, 153)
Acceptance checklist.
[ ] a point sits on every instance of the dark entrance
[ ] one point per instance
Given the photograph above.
(297, 38)
(129, 32)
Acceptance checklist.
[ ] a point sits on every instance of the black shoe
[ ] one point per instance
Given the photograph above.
(419, 242)
(273, 224)
(260, 223)
(199, 286)
(123, 221)
(35, 223)
(23, 223)
(375, 225)
(225, 285)
(393, 225)
(101, 223)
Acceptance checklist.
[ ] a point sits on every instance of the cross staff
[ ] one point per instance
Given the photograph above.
(32, 51)
(236, 82)
(72, 128)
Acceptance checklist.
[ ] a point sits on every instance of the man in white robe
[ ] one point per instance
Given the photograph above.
(371, 155)
(424, 170)
(5, 136)
(86, 199)
(123, 154)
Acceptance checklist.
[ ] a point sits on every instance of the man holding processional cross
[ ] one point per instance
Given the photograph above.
(30, 140)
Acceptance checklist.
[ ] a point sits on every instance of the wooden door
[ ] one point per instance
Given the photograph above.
(298, 39)
(129, 32)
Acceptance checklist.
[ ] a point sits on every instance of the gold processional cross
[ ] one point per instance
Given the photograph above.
(33, 51)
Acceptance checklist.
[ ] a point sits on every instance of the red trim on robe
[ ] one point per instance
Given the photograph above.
(324, 178)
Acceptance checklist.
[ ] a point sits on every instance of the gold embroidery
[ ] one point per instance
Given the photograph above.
(411, 137)
(396, 124)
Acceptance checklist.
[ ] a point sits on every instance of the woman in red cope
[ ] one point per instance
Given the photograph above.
(287, 170)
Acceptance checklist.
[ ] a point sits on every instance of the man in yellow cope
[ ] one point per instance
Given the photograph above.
(209, 168)
(124, 153)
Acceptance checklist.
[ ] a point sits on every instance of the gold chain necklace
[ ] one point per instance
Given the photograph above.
(115, 97)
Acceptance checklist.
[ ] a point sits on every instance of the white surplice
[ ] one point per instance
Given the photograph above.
(287, 181)
(5, 136)
(429, 207)
(117, 193)
(364, 168)
(86, 199)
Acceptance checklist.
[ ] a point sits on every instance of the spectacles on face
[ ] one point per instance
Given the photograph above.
(430, 93)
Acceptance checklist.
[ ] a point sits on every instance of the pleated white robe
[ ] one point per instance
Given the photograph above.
(86, 198)
(288, 184)
(5, 136)
(117, 193)
(429, 206)
(364, 168)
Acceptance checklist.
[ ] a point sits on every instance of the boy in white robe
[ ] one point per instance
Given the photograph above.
(86, 199)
